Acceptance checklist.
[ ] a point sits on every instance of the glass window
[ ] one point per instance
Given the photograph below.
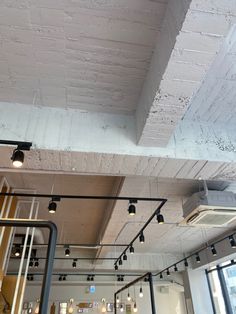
(217, 294)
(222, 283)
(230, 282)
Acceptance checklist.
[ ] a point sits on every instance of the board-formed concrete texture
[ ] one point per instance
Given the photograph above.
(119, 87)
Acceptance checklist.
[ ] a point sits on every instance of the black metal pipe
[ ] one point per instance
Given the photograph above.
(163, 201)
(91, 197)
(152, 296)
(50, 253)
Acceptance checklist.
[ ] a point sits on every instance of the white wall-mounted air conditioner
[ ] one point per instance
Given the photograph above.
(211, 209)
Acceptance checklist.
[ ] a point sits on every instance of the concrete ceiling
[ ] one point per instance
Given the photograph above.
(85, 54)
(78, 221)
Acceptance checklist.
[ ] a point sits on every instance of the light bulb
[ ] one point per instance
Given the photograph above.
(121, 308)
(117, 300)
(141, 292)
(128, 297)
(135, 308)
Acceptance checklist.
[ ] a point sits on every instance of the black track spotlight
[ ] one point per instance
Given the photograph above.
(36, 263)
(92, 278)
(124, 257)
(132, 210)
(118, 278)
(131, 249)
(120, 262)
(74, 264)
(232, 242)
(185, 262)
(161, 276)
(88, 278)
(116, 267)
(31, 263)
(141, 238)
(17, 158)
(168, 272)
(52, 207)
(60, 278)
(198, 260)
(64, 278)
(213, 250)
(160, 219)
(67, 252)
(175, 268)
(17, 251)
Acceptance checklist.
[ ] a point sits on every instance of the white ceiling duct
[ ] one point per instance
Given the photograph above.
(38, 234)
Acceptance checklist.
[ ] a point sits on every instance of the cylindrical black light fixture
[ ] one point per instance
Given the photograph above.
(17, 158)
(160, 219)
(185, 262)
(125, 257)
(168, 272)
(232, 242)
(17, 251)
(52, 207)
(31, 263)
(198, 260)
(132, 210)
(213, 250)
(131, 249)
(116, 267)
(141, 238)
(120, 262)
(67, 252)
(161, 276)
(74, 264)
(175, 268)
(36, 263)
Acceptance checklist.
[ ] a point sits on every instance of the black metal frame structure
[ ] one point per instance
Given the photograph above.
(148, 277)
(20, 145)
(50, 253)
(87, 197)
(157, 211)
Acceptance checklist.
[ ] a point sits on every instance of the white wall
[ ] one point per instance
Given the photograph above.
(170, 301)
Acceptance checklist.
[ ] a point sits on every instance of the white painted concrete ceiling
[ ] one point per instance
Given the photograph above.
(89, 54)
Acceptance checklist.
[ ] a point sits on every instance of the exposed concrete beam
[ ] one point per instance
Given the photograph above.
(80, 142)
(190, 38)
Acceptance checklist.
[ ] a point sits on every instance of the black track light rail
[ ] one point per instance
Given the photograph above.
(157, 211)
(20, 145)
(62, 245)
(71, 258)
(87, 197)
(13, 273)
(207, 246)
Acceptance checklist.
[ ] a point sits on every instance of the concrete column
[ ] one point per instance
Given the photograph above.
(197, 293)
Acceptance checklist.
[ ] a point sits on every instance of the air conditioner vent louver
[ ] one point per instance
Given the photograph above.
(215, 209)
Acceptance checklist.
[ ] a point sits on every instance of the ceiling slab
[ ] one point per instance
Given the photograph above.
(51, 56)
